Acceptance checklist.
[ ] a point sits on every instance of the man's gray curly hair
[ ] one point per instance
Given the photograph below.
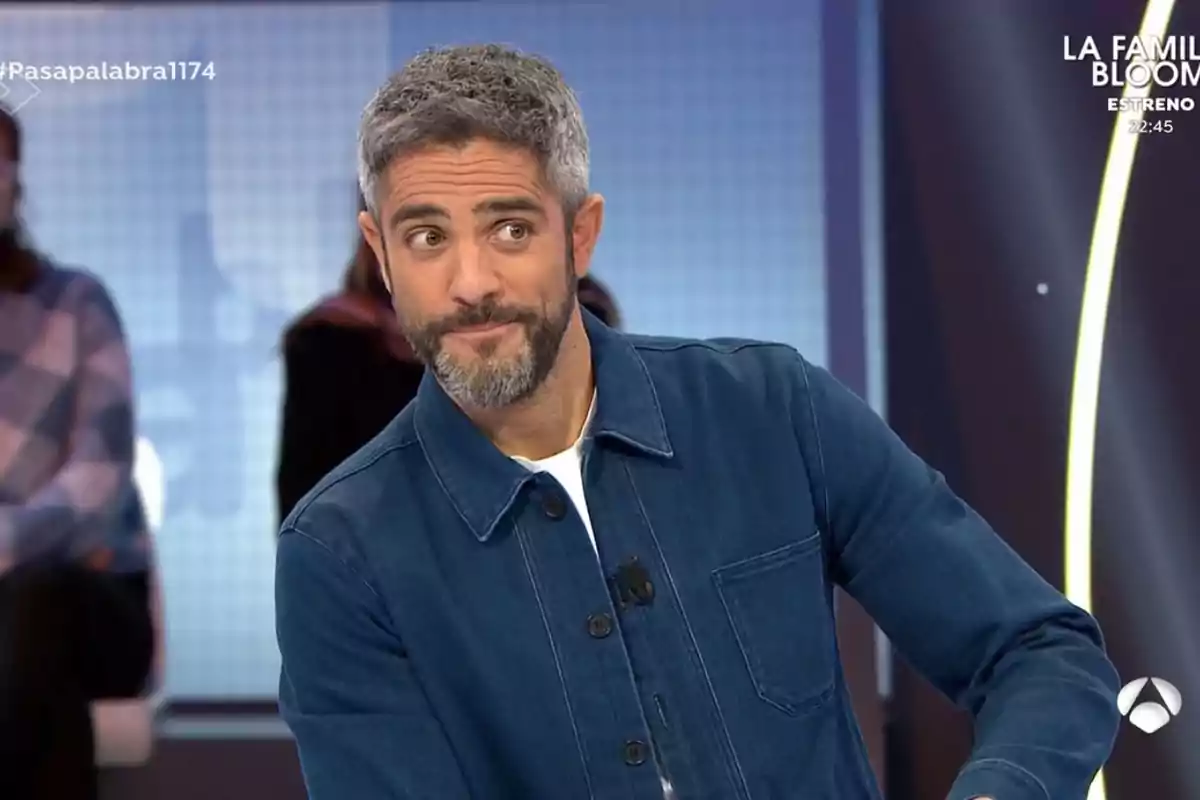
(451, 95)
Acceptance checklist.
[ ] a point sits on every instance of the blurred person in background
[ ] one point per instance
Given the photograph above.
(583, 563)
(75, 618)
(596, 298)
(348, 370)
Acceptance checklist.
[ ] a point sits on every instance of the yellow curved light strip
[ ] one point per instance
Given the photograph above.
(1093, 316)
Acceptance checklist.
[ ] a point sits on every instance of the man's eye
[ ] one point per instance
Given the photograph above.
(512, 232)
(426, 239)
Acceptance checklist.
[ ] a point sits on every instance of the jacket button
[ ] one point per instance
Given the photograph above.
(636, 753)
(599, 625)
(553, 505)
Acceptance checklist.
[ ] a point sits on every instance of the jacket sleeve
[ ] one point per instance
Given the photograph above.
(959, 604)
(362, 725)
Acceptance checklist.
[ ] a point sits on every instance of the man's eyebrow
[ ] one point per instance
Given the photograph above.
(495, 205)
(510, 205)
(415, 211)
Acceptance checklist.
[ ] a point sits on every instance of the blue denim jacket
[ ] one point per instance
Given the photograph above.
(447, 633)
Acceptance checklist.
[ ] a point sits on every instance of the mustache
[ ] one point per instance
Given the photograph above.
(484, 314)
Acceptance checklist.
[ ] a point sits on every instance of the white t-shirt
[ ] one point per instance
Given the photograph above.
(567, 468)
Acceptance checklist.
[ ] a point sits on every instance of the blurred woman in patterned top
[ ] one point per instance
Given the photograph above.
(75, 620)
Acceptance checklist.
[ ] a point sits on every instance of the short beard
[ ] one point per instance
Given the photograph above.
(489, 384)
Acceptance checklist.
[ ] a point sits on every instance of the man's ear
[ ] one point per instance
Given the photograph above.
(374, 238)
(585, 232)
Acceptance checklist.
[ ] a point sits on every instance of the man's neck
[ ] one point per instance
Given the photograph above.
(551, 420)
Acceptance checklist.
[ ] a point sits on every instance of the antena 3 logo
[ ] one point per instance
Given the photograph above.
(1145, 712)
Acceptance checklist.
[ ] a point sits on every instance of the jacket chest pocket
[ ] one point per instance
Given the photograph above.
(777, 606)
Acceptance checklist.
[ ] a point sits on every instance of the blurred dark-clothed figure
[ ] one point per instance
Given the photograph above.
(75, 619)
(347, 372)
(596, 298)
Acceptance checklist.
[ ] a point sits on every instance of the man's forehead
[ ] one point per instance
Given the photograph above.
(407, 203)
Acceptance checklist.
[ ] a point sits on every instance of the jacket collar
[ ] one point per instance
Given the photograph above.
(483, 483)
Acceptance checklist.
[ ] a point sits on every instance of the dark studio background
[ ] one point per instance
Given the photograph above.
(994, 149)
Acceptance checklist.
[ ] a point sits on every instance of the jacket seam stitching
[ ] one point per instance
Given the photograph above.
(300, 509)
(329, 551)
(816, 423)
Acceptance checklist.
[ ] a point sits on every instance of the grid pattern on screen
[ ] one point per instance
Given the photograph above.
(216, 208)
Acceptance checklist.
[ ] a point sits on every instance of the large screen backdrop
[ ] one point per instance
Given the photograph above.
(218, 205)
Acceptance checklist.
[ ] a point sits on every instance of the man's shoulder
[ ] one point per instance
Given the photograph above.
(747, 362)
(721, 346)
(357, 493)
(724, 378)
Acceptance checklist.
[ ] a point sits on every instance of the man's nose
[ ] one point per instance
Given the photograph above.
(475, 278)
